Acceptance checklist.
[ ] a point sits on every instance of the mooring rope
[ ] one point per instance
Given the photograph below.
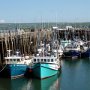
(3, 68)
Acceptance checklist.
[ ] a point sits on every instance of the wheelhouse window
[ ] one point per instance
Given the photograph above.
(7, 60)
(44, 60)
(38, 60)
(51, 60)
(48, 60)
(34, 60)
(41, 60)
(18, 60)
(10, 59)
(14, 59)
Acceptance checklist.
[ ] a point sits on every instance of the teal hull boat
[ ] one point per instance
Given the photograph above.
(45, 70)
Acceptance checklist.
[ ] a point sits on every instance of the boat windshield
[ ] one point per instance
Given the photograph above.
(44, 60)
(72, 46)
(13, 60)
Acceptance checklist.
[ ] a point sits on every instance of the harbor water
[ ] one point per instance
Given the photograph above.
(74, 75)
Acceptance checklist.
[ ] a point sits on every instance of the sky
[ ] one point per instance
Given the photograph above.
(29, 11)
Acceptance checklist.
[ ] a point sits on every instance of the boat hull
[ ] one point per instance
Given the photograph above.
(45, 70)
(86, 54)
(13, 70)
(71, 54)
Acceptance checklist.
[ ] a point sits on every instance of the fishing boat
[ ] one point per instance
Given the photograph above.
(72, 50)
(85, 53)
(45, 64)
(15, 65)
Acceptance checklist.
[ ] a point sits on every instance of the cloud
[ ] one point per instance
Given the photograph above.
(2, 21)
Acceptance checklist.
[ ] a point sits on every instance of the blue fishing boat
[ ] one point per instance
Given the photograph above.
(86, 54)
(85, 51)
(72, 50)
(72, 54)
(15, 65)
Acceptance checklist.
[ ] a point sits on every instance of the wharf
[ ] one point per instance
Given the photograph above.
(26, 40)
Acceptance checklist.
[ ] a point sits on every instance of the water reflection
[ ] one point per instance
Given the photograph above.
(52, 83)
(14, 84)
